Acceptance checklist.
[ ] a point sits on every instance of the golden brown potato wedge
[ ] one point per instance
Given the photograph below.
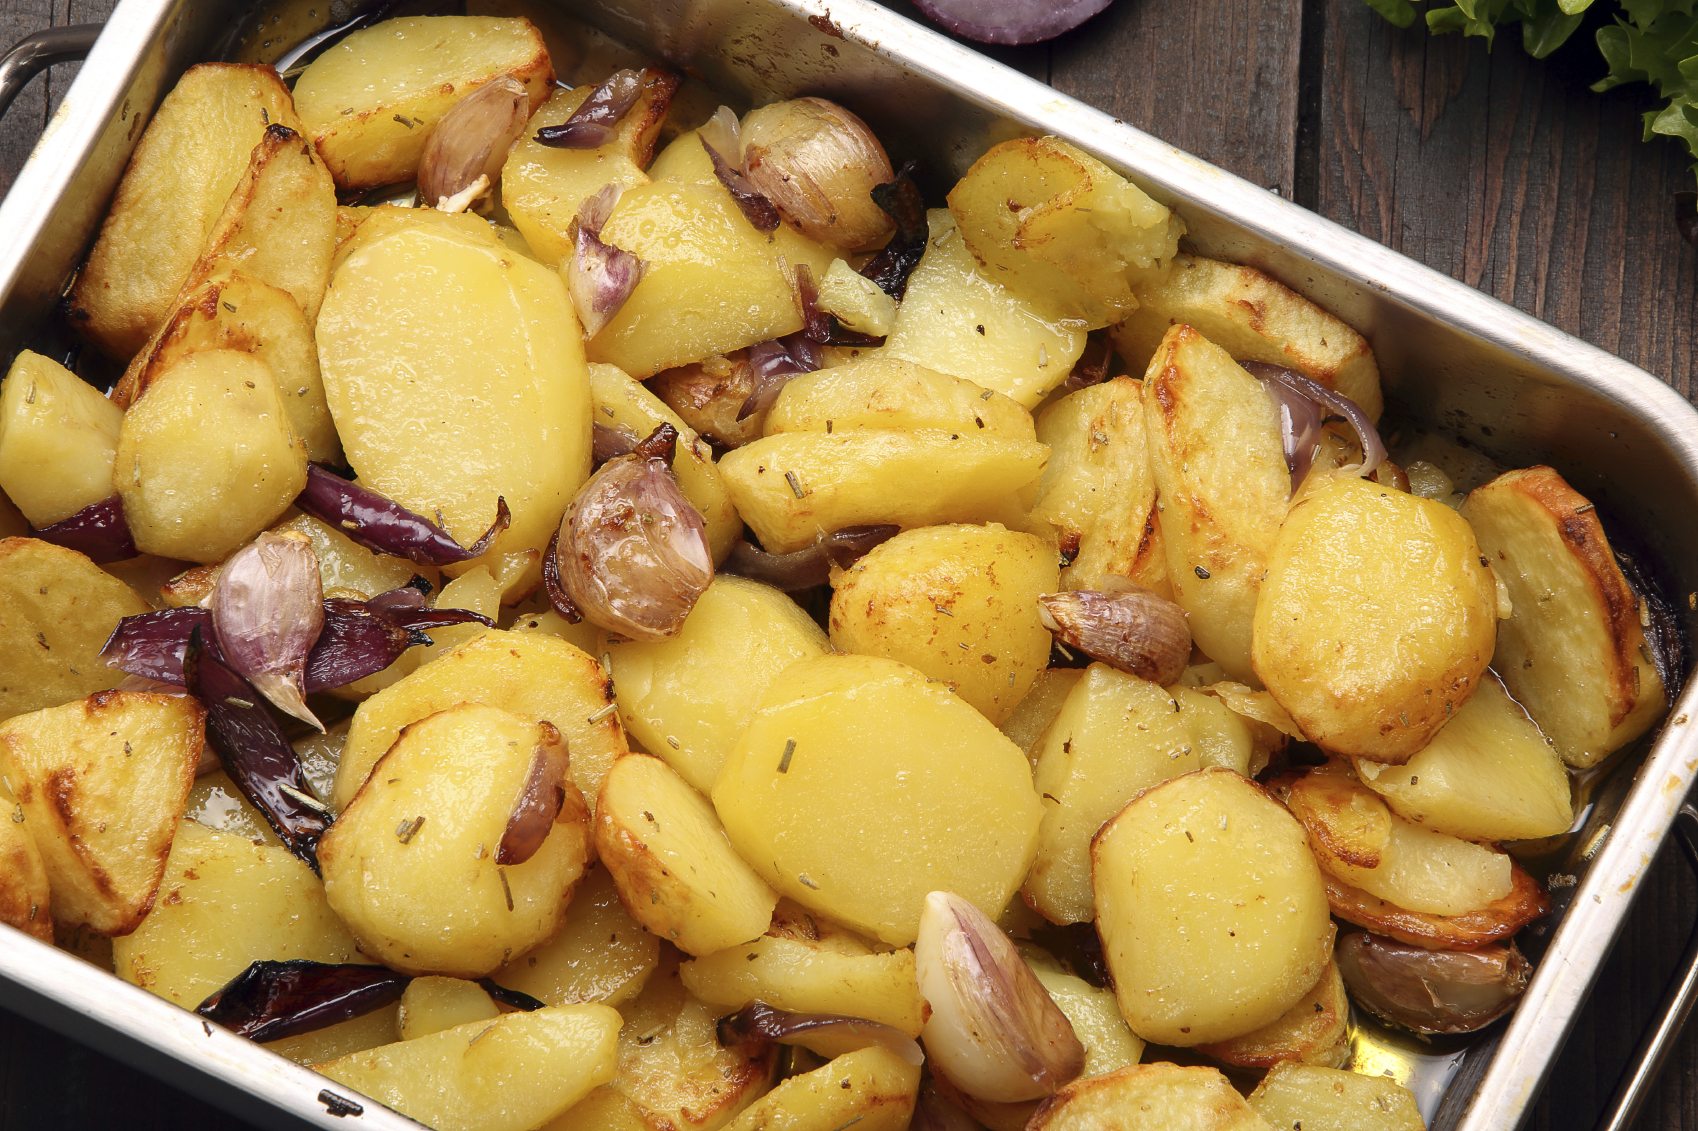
(890, 394)
(1573, 652)
(804, 977)
(102, 783)
(57, 609)
(1361, 673)
(1314, 1031)
(1099, 492)
(676, 872)
(871, 1088)
(1327, 1099)
(1148, 1097)
(25, 898)
(1215, 450)
(370, 102)
(58, 438)
(602, 954)
(1254, 318)
(195, 151)
(1527, 900)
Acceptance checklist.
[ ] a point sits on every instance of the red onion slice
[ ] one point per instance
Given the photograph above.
(98, 532)
(756, 208)
(1010, 21)
(558, 599)
(902, 202)
(271, 1000)
(357, 640)
(612, 442)
(386, 527)
(151, 645)
(773, 364)
(539, 803)
(267, 610)
(596, 120)
(511, 999)
(405, 597)
(1299, 431)
(804, 569)
(828, 1034)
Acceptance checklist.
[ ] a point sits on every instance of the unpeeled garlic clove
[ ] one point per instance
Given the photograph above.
(471, 141)
(1431, 991)
(818, 163)
(1131, 629)
(600, 276)
(994, 1031)
(267, 611)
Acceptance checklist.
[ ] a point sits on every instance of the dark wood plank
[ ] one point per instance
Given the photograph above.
(35, 105)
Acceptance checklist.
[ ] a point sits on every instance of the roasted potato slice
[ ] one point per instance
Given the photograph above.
(804, 977)
(25, 899)
(431, 1004)
(959, 603)
(1527, 900)
(890, 394)
(1573, 652)
(415, 863)
(58, 439)
(1254, 318)
(1215, 450)
(510, 1074)
(333, 1042)
(370, 102)
(1098, 493)
(1314, 1031)
(194, 153)
(1149, 1097)
(793, 487)
(1328, 1099)
(57, 609)
(1038, 708)
(345, 565)
(542, 187)
(1359, 673)
(1212, 913)
(1093, 1013)
(676, 872)
(871, 1088)
(239, 312)
(602, 954)
(1061, 229)
(955, 320)
(226, 902)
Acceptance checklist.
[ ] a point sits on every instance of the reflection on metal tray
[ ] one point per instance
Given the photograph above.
(1455, 362)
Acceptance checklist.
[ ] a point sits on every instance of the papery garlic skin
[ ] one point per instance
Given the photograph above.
(267, 611)
(817, 162)
(471, 141)
(1128, 627)
(994, 1032)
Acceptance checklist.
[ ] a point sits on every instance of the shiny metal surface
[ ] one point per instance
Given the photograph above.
(1451, 359)
(34, 54)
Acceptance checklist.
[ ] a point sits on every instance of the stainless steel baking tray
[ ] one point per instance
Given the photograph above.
(1451, 359)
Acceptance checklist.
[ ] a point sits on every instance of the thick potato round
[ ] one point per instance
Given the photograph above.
(432, 1004)
(676, 873)
(58, 438)
(602, 954)
(861, 786)
(1212, 913)
(206, 459)
(1149, 1097)
(1376, 619)
(959, 603)
(410, 865)
(1314, 1031)
(1329, 1099)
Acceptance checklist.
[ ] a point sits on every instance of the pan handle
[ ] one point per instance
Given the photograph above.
(1678, 999)
(34, 54)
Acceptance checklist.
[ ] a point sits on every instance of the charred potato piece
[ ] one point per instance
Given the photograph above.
(369, 103)
(58, 439)
(194, 153)
(1573, 652)
(871, 1088)
(1328, 1099)
(25, 899)
(890, 394)
(1314, 1031)
(1149, 1097)
(602, 954)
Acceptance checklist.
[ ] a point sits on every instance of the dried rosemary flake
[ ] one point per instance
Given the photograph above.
(29, 397)
(943, 610)
(244, 704)
(651, 1034)
(807, 883)
(350, 524)
(795, 484)
(988, 393)
(789, 751)
(672, 742)
(17, 814)
(1583, 508)
(407, 830)
(1202, 574)
(505, 890)
(481, 1032)
(307, 799)
(603, 713)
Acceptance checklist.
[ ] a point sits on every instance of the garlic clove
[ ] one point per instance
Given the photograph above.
(1131, 629)
(818, 163)
(600, 276)
(994, 1031)
(267, 612)
(1432, 991)
(471, 142)
(539, 802)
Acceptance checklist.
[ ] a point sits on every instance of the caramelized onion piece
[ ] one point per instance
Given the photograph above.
(773, 363)
(1662, 628)
(600, 276)
(901, 201)
(267, 610)
(558, 599)
(1131, 629)
(1092, 366)
(539, 802)
(472, 140)
(818, 164)
(255, 753)
(98, 532)
(994, 1031)
(757, 209)
(357, 640)
(1432, 991)
(709, 394)
(151, 645)
(632, 552)
(272, 1000)
(512, 999)
(1288, 387)
(386, 527)
(612, 441)
(596, 120)
(828, 1034)
(804, 569)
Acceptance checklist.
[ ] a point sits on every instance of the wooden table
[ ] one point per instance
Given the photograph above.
(1506, 173)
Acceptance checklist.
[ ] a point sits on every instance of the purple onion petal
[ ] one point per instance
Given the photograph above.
(98, 532)
(806, 568)
(405, 597)
(271, 1000)
(151, 645)
(1010, 21)
(596, 120)
(902, 202)
(600, 279)
(357, 641)
(1092, 366)
(773, 363)
(384, 526)
(759, 1021)
(756, 208)
(539, 803)
(254, 751)
(417, 620)
(560, 600)
(512, 999)
(1294, 384)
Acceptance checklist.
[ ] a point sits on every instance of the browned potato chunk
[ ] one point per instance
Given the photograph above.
(871, 1088)
(25, 899)
(890, 394)
(1149, 1097)
(370, 102)
(1527, 900)
(959, 603)
(1254, 318)
(602, 954)
(1215, 450)
(1314, 1031)
(1361, 673)
(195, 151)
(58, 438)
(1327, 1099)
(413, 864)
(1573, 652)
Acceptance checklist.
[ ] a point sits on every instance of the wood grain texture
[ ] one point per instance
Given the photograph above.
(29, 114)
